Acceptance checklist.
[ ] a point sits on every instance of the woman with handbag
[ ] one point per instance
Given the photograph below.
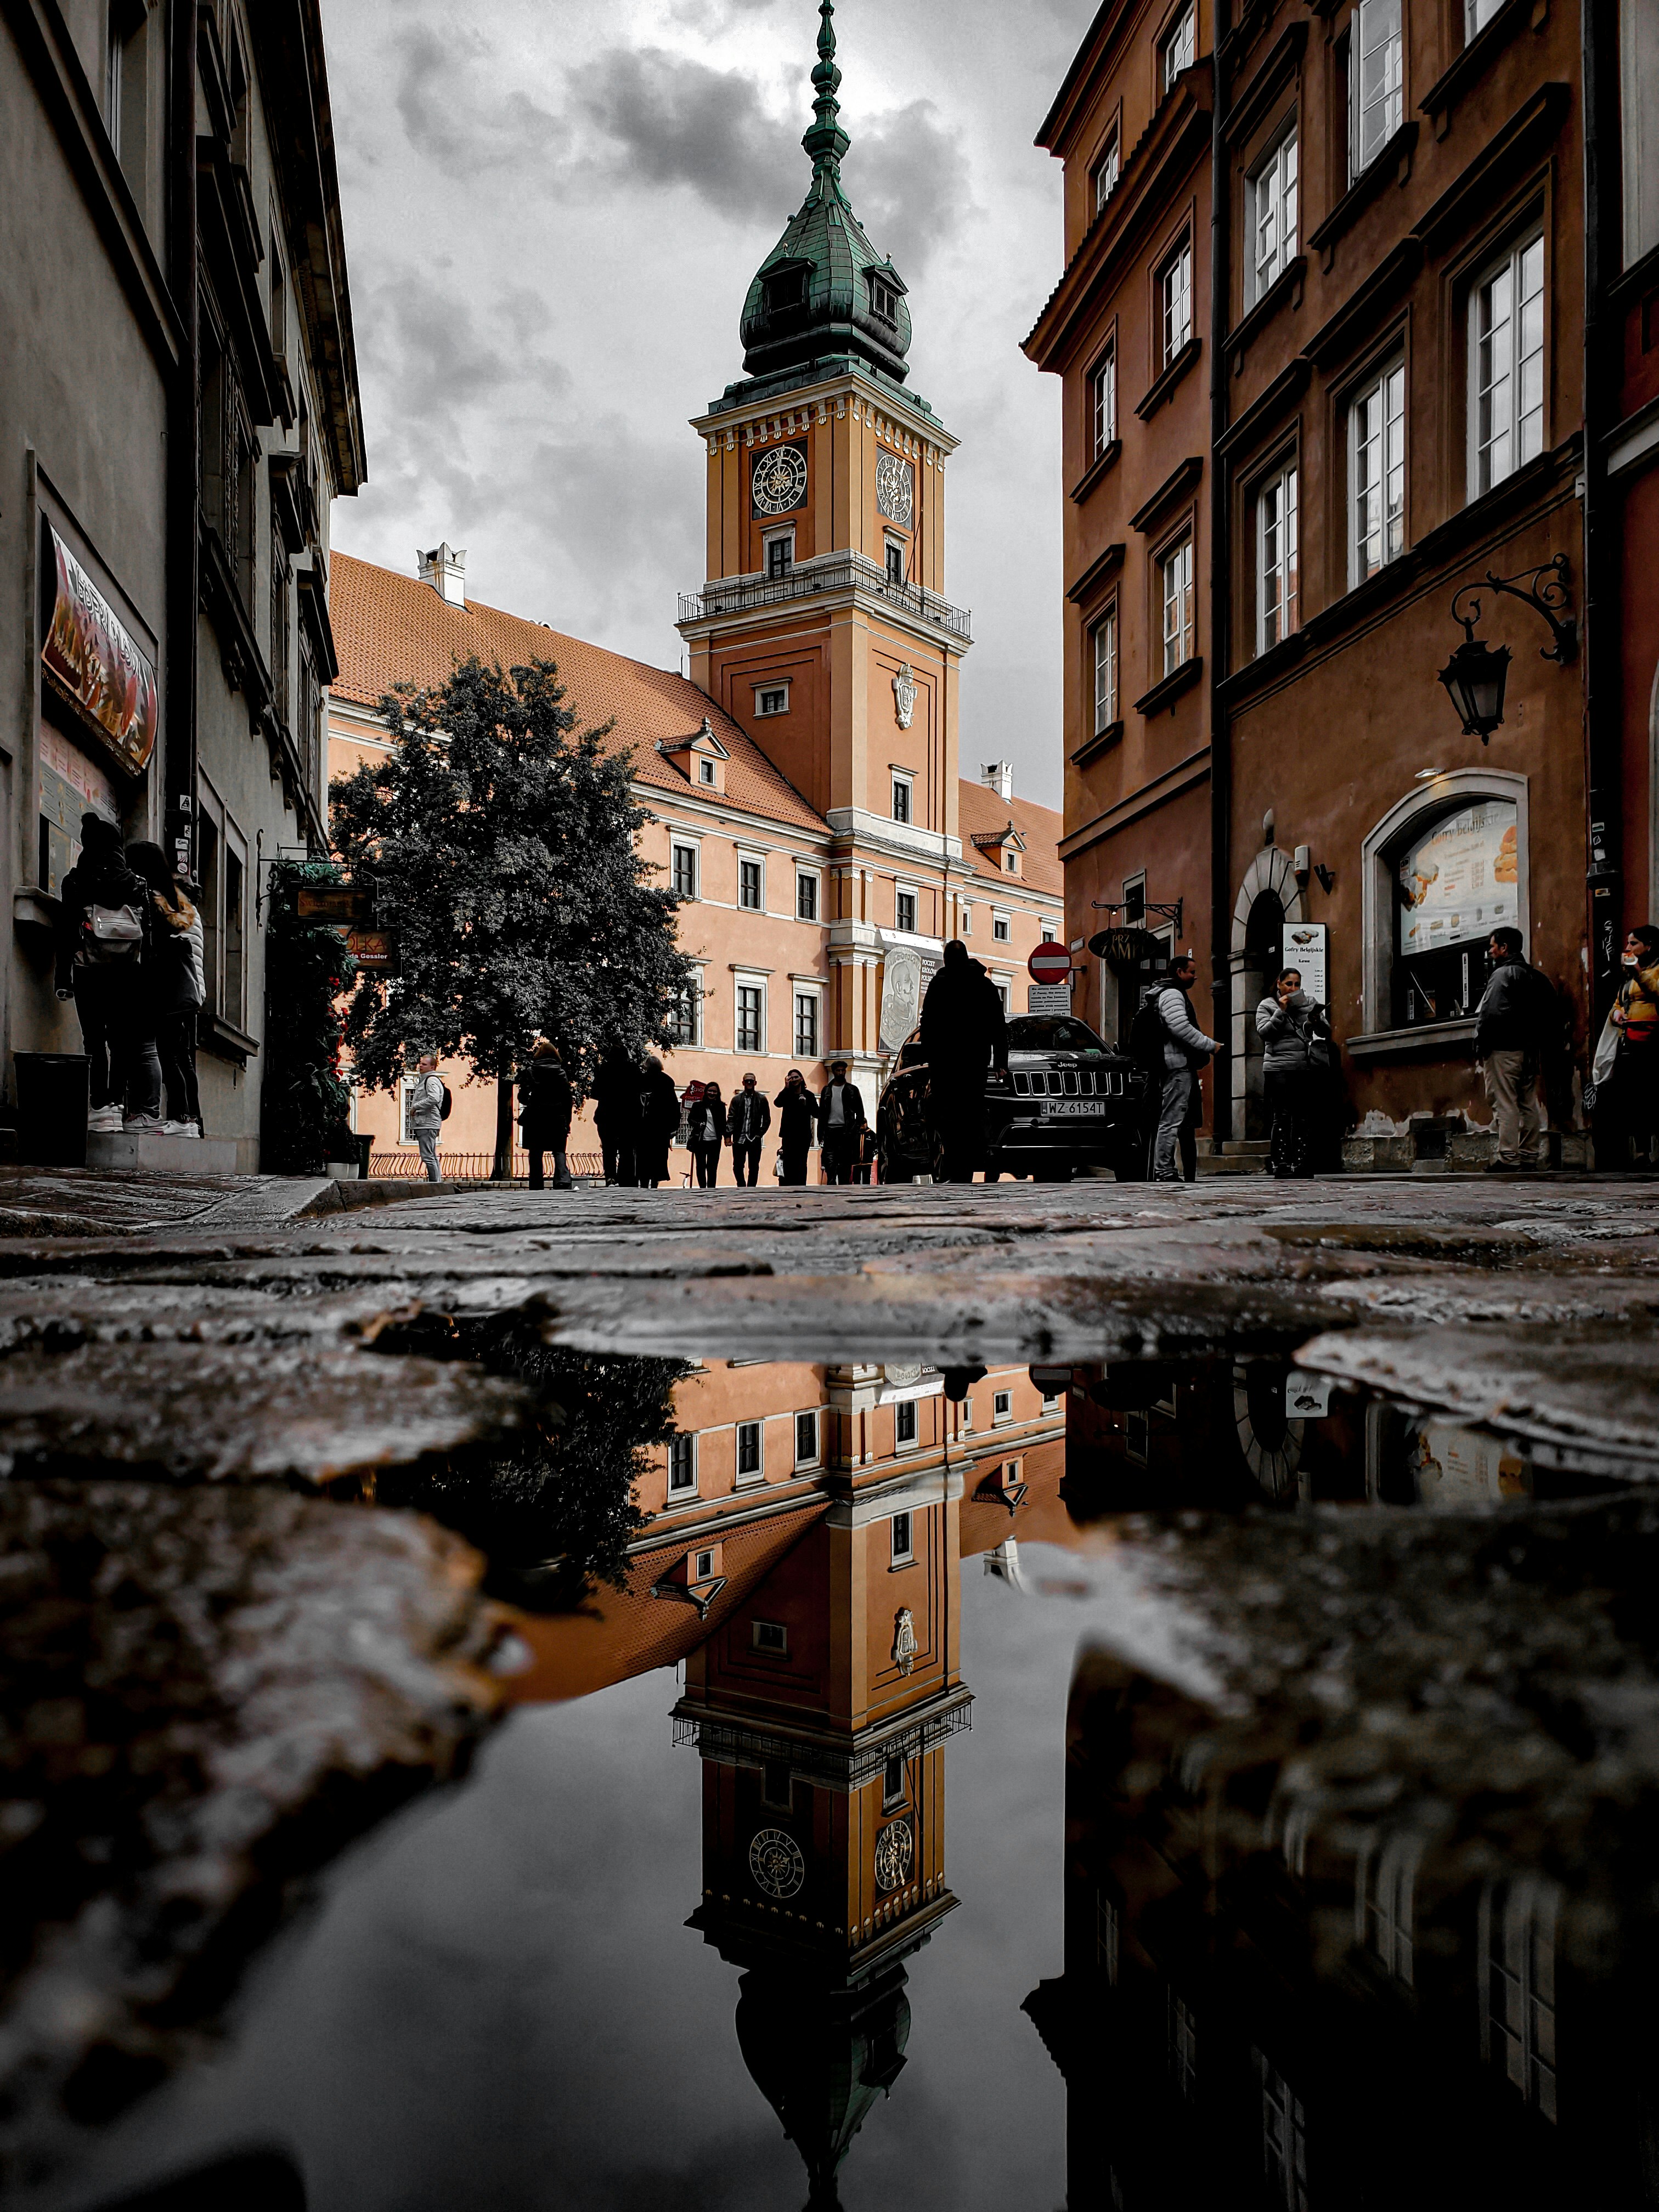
(102, 935)
(546, 1103)
(1624, 1096)
(171, 981)
(706, 1126)
(1294, 1059)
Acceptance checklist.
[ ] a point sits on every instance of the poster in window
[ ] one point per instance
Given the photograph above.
(1461, 880)
(92, 662)
(71, 786)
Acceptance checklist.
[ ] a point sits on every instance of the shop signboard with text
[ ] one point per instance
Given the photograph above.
(93, 662)
(1306, 950)
(1461, 879)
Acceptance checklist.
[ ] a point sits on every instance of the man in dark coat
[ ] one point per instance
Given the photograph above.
(964, 1034)
(660, 1118)
(840, 1123)
(545, 1105)
(747, 1121)
(798, 1114)
(616, 1115)
(1514, 1021)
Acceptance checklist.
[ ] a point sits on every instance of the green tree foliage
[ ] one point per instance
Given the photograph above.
(501, 846)
(304, 1102)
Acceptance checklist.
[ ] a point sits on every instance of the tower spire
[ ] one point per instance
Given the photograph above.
(826, 142)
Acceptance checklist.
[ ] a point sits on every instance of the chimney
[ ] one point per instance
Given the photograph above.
(445, 569)
(1000, 775)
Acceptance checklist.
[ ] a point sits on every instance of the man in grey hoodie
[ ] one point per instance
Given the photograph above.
(1186, 1050)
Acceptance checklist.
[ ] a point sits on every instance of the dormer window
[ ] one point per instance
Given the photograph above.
(883, 300)
(787, 289)
(704, 771)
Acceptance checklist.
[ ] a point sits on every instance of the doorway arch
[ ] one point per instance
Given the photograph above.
(1268, 897)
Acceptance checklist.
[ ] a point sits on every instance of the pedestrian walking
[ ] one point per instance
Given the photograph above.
(865, 1158)
(1291, 1025)
(841, 1123)
(426, 1112)
(747, 1120)
(1514, 1021)
(798, 1114)
(170, 991)
(1626, 1063)
(616, 1115)
(964, 1034)
(1186, 1048)
(659, 1121)
(102, 926)
(546, 1105)
(706, 1126)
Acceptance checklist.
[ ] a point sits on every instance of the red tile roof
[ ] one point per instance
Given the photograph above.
(392, 629)
(985, 812)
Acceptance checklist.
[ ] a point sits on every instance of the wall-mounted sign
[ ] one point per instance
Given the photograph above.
(1304, 947)
(1047, 997)
(92, 662)
(374, 951)
(1461, 880)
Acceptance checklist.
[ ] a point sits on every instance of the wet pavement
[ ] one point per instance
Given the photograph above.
(1086, 1697)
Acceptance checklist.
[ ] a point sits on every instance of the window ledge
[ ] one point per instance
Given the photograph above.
(1096, 575)
(1102, 742)
(1166, 693)
(1286, 286)
(1099, 467)
(1391, 580)
(35, 908)
(225, 1041)
(1174, 487)
(1260, 672)
(1163, 385)
(1396, 1044)
(1390, 164)
(1452, 83)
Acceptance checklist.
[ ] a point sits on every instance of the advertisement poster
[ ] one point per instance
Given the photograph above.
(93, 664)
(71, 786)
(1462, 880)
(1304, 948)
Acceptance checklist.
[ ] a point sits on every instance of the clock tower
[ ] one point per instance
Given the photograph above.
(822, 629)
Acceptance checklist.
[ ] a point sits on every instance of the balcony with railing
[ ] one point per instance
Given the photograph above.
(829, 573)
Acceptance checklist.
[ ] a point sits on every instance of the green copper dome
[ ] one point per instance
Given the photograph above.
(823, 289)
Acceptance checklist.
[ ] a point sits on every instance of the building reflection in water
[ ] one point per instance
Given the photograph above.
(800, 1562)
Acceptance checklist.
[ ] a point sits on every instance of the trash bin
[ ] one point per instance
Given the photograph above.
(53, 1091)
(365, 1147)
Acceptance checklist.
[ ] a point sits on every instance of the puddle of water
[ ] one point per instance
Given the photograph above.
(839, 1850)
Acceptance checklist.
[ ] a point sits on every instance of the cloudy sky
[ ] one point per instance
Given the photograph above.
(553, 210)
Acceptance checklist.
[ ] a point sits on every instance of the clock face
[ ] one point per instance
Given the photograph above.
(895, 493)
(895, 1849)
(776, 1864)
(778, 480)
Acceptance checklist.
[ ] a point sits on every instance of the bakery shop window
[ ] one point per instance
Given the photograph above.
(1457, 877)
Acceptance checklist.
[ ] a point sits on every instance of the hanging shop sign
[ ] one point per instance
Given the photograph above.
(1304, 948)
(374, 951)
(93, 664)
(334, 902)
(1462, 880)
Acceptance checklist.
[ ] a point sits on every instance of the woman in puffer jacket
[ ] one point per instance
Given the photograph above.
(171, 988)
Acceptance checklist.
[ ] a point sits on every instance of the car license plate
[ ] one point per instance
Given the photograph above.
(1071, 1109)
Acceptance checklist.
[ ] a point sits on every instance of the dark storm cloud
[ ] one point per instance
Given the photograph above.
(908, 178)
(455, 111)
(679, 122)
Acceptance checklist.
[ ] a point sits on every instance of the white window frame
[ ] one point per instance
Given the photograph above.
(1283, 2138)
(706, 776)
(1477, 14)
(906, 783)
(965, 917)
(1103, 403)
(1376, 80)
(906, 1410)
(815, 1414)
(1177, 49)
(1271, 210)
(1003, 986)
(696, 994)
(777, 690)
(676, 1491)
(1103, 176)
(1002, 927)
(813, 876)
(1102, 643)
(676, 847)
(902, 1539)
(740, 983)
(806, 995)
(1175, 301)
(757, 862)
(907, 891)
(1376, 452)
(1277, 578)
(785, 538)
(741, 1474)
(1177, 598)
(1515, 1966)
(1002, 1408)
(893, 543)
(1506, 365)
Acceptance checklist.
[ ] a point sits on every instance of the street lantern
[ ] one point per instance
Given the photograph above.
(1474, 678)
(1475, 675)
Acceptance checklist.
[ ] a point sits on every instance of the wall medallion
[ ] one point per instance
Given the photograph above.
(776, 1864)
(904, 1640)
(904, 696)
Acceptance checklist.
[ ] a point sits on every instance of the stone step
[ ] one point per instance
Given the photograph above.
(184, 1156)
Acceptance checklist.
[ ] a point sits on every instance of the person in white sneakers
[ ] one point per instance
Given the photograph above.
(426, 1112)
(171, 979)
(100, 944)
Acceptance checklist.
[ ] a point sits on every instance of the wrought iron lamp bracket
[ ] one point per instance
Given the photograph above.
(1547, 596)
(1172, 914)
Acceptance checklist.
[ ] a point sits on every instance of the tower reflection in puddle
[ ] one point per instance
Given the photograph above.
(801, 1560)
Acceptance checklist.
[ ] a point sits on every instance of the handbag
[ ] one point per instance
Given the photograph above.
(110, 933)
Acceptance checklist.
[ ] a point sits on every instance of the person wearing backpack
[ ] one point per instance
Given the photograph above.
(100, 947)
(171, 981)
(1292, 1029)
(428, 1101)
(1186, 1050)
(1514, 1021)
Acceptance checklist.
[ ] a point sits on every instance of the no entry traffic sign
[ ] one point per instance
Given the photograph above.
(1050, 964)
